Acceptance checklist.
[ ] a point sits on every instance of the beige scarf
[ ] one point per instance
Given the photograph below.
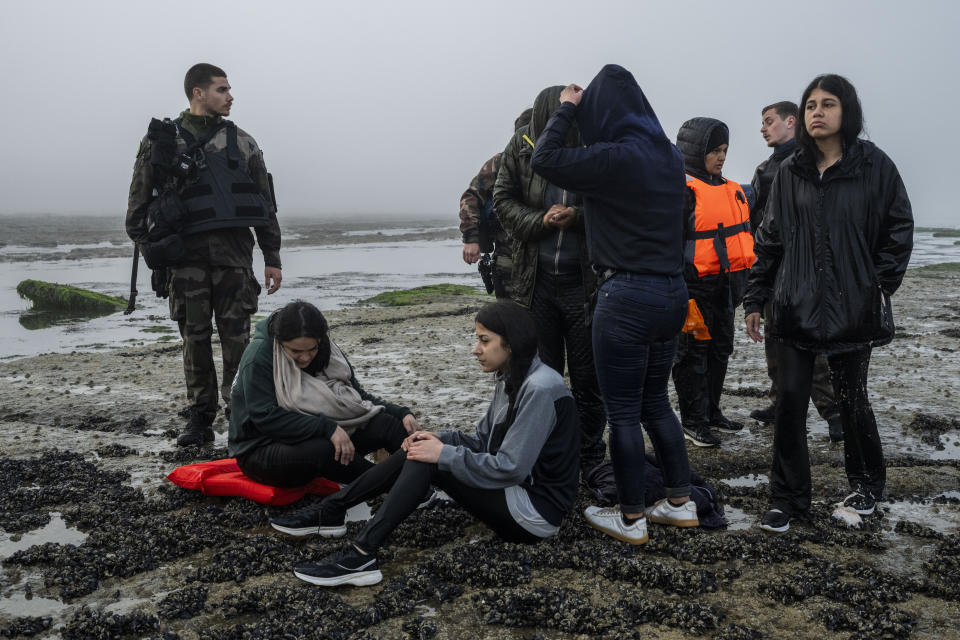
(329, 393)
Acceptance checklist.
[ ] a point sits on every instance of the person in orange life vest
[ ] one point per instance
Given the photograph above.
(718, 253)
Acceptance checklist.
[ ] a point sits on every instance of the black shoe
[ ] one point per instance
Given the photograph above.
(765, 415)
(861, 501)
(836, 430)
(312, 520)
(775, 520)
(197, 431)
(348, 566)
(726, 425)
(701, 436)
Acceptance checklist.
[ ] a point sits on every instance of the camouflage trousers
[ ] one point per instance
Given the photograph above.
(200, 293)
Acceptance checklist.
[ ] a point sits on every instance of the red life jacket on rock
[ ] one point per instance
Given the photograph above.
(721, 237)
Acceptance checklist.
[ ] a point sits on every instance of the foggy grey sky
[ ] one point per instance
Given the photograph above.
(391, 107)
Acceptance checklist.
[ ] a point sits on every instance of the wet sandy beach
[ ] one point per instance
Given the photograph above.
(96, 543)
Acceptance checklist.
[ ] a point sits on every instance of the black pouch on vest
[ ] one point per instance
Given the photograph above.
(165, 252)
(166, 215)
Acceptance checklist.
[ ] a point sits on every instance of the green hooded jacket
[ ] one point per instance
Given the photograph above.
(257, 420)
(518, 200)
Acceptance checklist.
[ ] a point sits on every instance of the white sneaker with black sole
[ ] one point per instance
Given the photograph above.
(347, 566)
(610, 521)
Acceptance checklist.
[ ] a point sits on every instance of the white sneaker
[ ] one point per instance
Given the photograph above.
(684, 515)
(610, 521)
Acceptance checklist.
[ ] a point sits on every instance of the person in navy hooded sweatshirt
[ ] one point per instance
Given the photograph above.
(631, 178)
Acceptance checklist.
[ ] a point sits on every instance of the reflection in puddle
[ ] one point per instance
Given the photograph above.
(942, 518)
(54, 531)
(738, 519)
(749, 480)
(33, 320)
(19, 605)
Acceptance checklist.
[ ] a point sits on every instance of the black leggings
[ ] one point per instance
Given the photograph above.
(790, 484)
(409, 481)
(293, 465)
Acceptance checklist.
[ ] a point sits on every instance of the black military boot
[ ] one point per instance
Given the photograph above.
(198, 430)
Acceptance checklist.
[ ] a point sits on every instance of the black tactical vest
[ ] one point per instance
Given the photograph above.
(221, 195)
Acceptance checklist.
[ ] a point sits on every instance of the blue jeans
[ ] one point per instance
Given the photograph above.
(635, 329)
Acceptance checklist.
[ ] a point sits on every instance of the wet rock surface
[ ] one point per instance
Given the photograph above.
(132, 556)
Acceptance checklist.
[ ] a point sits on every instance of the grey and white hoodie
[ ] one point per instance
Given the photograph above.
(538, 463)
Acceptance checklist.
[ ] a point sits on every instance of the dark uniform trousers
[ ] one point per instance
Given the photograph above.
(558, 307)
(821, 390)
(198, 294)
(700, 366)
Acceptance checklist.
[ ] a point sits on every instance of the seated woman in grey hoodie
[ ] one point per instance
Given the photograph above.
(518, 475)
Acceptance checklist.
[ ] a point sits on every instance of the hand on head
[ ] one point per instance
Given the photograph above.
(571, 93)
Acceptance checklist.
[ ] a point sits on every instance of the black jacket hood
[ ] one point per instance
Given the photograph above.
(692, 142)
(614, 108)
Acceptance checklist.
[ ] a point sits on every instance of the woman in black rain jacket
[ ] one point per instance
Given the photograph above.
(833, 247)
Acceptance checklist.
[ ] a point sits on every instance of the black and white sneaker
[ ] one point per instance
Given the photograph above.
(725, 424)
(348, 566)
(775, 520)
(701, 436)
(861, 501)
(310, 521)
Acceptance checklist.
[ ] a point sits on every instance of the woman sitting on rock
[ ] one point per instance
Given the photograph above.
(518, 475)
(297, 410)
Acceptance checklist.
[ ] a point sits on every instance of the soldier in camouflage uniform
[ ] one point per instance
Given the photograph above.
(476, 203)
(215, 279)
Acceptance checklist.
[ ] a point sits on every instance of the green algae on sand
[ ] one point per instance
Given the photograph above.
(50, 296)
(421, 295)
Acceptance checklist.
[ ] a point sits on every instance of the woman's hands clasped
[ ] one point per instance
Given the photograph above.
(423, 446)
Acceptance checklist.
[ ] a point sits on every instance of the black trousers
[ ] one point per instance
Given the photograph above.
(700, 366)
(293, 465)
(790, 484)
(560, 310)
(821, 391)
(409, 481)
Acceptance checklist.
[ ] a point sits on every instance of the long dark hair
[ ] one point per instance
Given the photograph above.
(518, 331)
(300, 319)
(851, 124)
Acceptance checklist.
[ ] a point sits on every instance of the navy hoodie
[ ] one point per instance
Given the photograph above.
(630, 175)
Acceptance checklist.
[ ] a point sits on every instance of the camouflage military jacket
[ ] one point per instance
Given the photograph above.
(473, 201)
(221, 247)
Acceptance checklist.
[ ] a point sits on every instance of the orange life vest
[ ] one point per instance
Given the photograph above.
(721, 240)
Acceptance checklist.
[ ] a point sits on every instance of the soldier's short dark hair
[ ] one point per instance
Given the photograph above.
(784, 109)
(201, 75)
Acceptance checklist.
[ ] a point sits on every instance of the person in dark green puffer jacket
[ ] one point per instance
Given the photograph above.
(317, 421)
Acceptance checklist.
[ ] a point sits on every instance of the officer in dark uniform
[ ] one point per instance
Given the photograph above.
(223, 190)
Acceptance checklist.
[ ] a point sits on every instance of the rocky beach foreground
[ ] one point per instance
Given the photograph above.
(96, 543)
